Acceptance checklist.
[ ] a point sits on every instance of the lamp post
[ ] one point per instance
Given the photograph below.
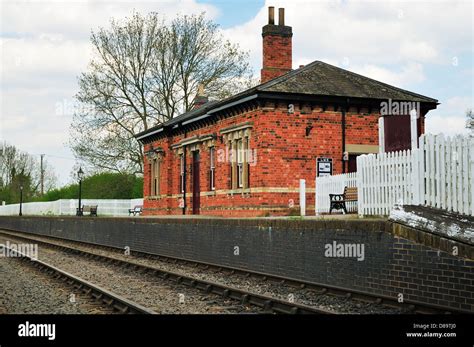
(80, 175)
(21, 201)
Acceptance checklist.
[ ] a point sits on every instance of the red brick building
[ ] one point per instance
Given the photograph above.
(245, 155)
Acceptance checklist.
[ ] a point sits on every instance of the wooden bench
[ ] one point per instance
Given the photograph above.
(91, 209)
(136, 210)
(338, 201)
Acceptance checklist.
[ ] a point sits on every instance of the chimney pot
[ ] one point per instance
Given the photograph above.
(301, 66)
(271, 15)
(201, 97)
(201, 90)
(281, 16)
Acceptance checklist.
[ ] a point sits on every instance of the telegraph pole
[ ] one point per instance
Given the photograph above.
(42, 175)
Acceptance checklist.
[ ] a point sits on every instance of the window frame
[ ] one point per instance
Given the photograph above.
(181, 173)
(212, 169)
(150, 174)
(240, 163)
(155, 176)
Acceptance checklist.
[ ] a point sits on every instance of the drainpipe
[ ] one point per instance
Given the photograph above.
(184, 176)
(343, 128)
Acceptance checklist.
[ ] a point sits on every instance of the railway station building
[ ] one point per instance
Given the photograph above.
(244, 156)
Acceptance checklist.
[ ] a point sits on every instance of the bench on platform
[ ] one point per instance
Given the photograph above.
(136, 210)
(91, 209)
(338, 201)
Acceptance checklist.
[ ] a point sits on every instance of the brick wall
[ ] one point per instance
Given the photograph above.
(277, 56)
(392, 264)
(284, 155)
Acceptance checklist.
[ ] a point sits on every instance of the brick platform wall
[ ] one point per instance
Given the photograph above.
(392, 264)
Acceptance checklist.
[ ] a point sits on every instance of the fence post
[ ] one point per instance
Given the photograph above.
(359, 185)
(316, 202)
(442, 173)
(471, 145)
(414, 130)
(465, 174)
(437, 150)
(415, 176)
(459, 174)
(302, 197)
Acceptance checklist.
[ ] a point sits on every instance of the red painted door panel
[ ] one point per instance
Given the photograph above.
(397, 133)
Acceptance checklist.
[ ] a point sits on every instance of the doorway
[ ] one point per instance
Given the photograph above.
(352, 164)
(196, 186)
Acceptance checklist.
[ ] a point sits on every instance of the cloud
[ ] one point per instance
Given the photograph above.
(419, 51)
(53, 37)
(447, 125)
(26, 59)
(366, 32)
(76, 19)
(450, 116)
(390, 41)
(411, 73)
(45, 45)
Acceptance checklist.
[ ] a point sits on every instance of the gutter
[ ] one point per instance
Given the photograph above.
(212, 111)
(157, 131)
(192, 120)
(343, 129)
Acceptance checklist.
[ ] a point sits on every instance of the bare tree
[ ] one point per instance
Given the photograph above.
(19, 168)
(144, 72)
(14, 162)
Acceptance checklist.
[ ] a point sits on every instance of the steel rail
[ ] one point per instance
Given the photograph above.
(411, 306)
(268, 303)
(111, 299)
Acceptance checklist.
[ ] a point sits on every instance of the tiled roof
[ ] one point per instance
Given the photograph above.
(319, 78)
(315, 79)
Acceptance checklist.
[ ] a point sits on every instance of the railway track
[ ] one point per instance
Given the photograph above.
(111, 300)
(267, 303)
(264, 301)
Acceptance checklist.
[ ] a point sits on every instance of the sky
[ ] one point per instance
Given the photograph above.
(422, 46)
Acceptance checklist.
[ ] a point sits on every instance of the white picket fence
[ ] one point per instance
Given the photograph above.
(387, 179)
(449, 173)
(67, 207)
(333, 185)
(440, 174)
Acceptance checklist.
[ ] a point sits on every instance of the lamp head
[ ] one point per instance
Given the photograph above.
(80, 173)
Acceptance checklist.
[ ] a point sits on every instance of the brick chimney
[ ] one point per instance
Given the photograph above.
(277, 46)
(201, 97)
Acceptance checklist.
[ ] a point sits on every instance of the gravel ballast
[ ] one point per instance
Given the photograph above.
(285, 292)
